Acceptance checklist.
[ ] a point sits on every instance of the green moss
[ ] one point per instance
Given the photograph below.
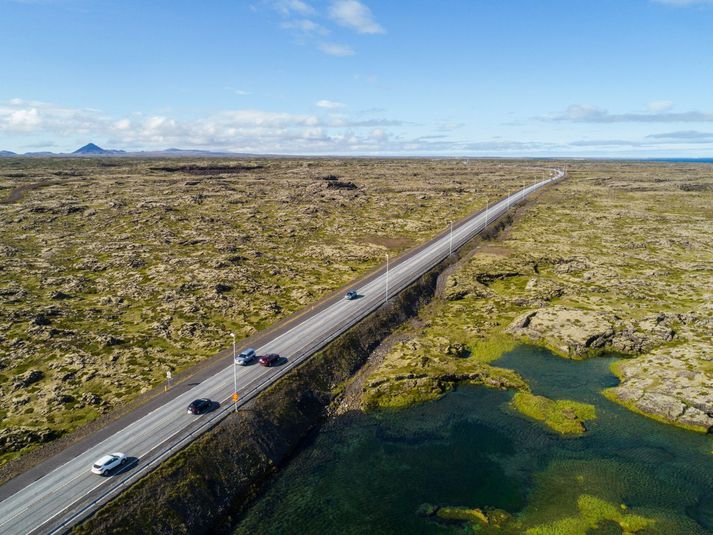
(475, 516)
(598, 251)
(563, 416)
(400, 391)
(268, 250)
(592, 512)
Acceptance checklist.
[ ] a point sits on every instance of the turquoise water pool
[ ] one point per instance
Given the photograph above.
(374, 473)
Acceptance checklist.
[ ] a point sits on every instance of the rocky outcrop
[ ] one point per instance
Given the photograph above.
(27, 378)
(571, 332)
(663, 382)
(578, 333)
(17, 438)
(667, 384)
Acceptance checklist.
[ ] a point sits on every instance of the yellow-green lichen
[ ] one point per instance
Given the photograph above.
(564, 416)
(593, 511)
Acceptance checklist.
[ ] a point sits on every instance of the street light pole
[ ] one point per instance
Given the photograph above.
(235, 376)
(450, 246)
(487, 205)
(387, 278)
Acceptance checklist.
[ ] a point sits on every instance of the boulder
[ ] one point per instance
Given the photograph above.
(17, 438)
(28, 378)
(222, 288)
(40, 320)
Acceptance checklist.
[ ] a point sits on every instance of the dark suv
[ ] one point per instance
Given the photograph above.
(270, 359)
(199, 406)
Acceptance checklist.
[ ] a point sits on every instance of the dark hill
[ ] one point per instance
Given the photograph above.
(92, 149)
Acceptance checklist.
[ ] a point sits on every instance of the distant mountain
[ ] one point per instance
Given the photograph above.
(90, 149)
(188, 151)
(40, 154)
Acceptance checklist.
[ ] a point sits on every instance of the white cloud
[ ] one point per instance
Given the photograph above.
(355, 15)
(335, 49)
(310, 26)
(24, 120)
(305, 26)
(659, 106)
(579, 113)
(685, 135)
(290, 7)
(27, 116)
(328, 104)
(325, 132)
(235, 130)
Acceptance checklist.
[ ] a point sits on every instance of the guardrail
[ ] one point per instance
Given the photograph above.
(302, 355)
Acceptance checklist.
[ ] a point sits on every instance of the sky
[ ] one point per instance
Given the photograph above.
(571, 78)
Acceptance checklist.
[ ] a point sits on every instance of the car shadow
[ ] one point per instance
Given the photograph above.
(280, 362)
(131, 462)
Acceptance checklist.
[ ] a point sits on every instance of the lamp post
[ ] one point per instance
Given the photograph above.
(450, 244)
(508, 199)
(487, 207)
(387, 278)
(235, 376)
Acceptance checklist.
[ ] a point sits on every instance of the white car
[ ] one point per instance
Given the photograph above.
(106, 464)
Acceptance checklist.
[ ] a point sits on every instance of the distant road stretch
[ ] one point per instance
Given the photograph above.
(70, 492)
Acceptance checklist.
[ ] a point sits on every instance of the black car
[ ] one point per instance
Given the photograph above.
(199, 406)
(351, 295)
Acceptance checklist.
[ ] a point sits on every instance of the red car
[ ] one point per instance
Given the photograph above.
(270, 359)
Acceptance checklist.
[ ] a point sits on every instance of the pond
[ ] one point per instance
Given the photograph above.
(387, 472)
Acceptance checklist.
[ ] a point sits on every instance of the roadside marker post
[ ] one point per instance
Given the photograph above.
(167, 386)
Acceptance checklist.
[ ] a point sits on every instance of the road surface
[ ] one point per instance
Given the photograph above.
(62, 497)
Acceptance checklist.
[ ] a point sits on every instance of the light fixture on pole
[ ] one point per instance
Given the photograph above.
(235, 376)
(487, 206)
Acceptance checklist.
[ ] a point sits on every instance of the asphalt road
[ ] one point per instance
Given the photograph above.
(61, 497)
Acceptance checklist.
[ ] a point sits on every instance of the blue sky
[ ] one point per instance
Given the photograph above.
(480, 77)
